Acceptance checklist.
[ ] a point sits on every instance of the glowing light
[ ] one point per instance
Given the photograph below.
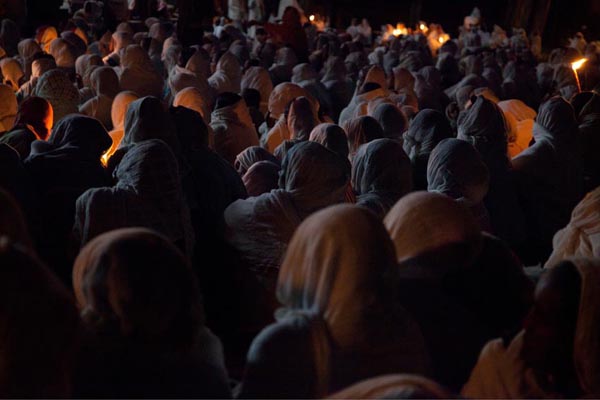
(311, 18)
(577, 64)
(400, 30)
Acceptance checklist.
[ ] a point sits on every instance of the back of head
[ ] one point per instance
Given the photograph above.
(425, 131)
(37, 113)
(119, 108)
(226, 99)
(336, 266)
(362, 130)
(422, 221)
(455, 169)
(315, 176)
(135, 284)
(301, 118)
(331, 136)
(392, 120)
(557, 117)
(147, 118)
(84, 133)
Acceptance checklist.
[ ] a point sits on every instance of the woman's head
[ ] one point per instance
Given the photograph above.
(136, 284)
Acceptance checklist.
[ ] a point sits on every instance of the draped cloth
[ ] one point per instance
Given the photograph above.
(11, 72)
(8, 108)
(118, 111)
(56, 87)
(381, 175)
(335, 286)
(483, 125)
(147, 193)
(520, 118)
(359, 131)
(136, 285)
(425, 131)
(63, 168)
(589, 124)
(138, 73)
(581, 236)
(258, 78)
(392, 120)
(549, 175)
(105, 83)
(233, 130)
(455, 169)
(312, 178)
(331, 136)
(251, 156)
(261, 177)
(194, 99)
(434, 220)
(394, 386)
(228, 75)
(501, 373)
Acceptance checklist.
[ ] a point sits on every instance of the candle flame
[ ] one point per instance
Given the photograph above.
(400, 30)
(311, 18)
(577, 64)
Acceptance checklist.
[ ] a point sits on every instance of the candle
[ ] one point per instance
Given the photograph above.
(575, 66)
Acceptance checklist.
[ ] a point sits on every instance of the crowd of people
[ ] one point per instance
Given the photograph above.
(287, 210)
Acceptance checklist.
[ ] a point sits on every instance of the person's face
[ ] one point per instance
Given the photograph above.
(549, 328)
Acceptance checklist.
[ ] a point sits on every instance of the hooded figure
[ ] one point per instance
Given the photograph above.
(549, 174)
(138, 73)
(251, 156)
(301, 119)
(232, 126)
(135, 200)
(305, 76)
(140, 301)
(483, 125)
(425, 131)
(12, 73)
(63, 168)
(462, 286)
(331, 136)
(456, 169)
(336, 286)
(105, 83)
(34, 122)
(56, 87)
(392, 121)
(28, 48)
(38, 68)
(227, 76)
(46, 327)
(340, 89)
(311, 178)
(118, 111)
(381, 175)
(261, 177)
(194, 99)
(359, 131)
(258, 78)
(566, 319)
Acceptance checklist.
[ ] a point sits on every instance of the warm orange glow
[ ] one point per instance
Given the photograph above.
(577, 64)
(311, 18)
(423, 27)
(400, 30)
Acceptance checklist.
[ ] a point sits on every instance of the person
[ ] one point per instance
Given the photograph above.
(336, 288)
(556, 353)
(227, 76)
(232, 126)
(8, 108)
(359, 131)
(105, 83)
(62, 168)
(392, 121)
(456, 169)
(43, 340)
(250, 156)
(34, 122)
(381, 175)
(140, 301)
(138, 74)
(462, 287)
(312, 177)
(331, 136)
(426, 130)
(290, 32)
(483, 125)
(55, 86)
(549, 175)
(133, 200)
(118, 111)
